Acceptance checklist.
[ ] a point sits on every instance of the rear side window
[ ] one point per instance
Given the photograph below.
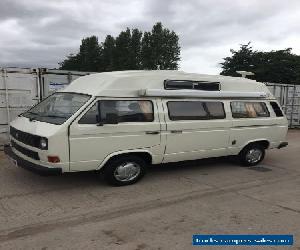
(195, 110)
(277, 109)
(242, 109)
(126, 111)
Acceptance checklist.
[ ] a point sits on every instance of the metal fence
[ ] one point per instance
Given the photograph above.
(288, 96)
(21, 88)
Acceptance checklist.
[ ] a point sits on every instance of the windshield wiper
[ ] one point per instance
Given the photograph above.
(30, 118)
(33, 113)
(53, 116)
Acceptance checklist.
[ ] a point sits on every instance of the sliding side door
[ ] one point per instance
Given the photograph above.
(195, 129)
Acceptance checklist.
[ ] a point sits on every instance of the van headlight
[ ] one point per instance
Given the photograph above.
(43, 143)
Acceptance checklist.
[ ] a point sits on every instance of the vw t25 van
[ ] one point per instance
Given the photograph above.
(121, 122)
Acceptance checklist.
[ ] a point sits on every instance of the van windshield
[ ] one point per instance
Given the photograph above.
(57, 108)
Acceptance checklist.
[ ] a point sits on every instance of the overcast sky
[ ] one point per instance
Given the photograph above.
(39, 33)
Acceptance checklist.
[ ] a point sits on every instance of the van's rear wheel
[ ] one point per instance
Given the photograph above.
(252, 154)
(125, 170)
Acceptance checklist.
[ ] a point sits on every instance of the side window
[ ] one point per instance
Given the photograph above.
(90, 117)
(277, 109)
(195, 110)
(242, 109)
(128, 111)
(215, 110)
(185, 110)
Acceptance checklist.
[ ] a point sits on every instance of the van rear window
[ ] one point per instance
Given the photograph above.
(277, 110)
(241, 109)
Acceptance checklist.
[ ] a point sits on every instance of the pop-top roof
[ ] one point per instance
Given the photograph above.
(130, 83)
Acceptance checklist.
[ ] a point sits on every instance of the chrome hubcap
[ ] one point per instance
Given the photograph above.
(128, 171)
(253, 155)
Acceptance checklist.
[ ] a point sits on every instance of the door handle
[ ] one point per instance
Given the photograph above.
(176, 131)
(152, 132)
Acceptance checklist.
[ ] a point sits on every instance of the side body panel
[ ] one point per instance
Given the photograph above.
(246, 130)
(92, 145)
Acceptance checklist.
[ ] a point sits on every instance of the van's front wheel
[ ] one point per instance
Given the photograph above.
(252, 154)
(125, 170)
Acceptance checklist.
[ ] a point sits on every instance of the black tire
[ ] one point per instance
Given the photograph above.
(255, 149)
(111, 170)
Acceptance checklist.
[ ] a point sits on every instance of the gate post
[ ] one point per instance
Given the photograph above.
(4, 76)
(293, 104)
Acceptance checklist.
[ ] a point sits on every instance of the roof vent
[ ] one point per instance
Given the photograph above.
(188, 84)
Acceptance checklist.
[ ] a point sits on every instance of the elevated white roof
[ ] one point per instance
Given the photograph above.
(130, 83)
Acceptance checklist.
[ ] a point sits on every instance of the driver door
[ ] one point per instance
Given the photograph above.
(92, 139)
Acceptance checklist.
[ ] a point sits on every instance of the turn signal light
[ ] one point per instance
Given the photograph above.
(53, 159)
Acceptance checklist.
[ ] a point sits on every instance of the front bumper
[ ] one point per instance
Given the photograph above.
(29, 165)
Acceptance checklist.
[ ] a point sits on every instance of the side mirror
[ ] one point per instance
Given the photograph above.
(111, 118)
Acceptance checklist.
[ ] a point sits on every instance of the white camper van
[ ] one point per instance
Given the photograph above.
(120, 122)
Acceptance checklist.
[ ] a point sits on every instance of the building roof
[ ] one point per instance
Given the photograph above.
(130, 83)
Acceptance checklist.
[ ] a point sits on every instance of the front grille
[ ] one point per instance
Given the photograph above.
(25, 151)
(26, 138)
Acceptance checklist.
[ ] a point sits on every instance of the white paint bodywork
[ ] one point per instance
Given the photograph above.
(83, 147)
(130, 83)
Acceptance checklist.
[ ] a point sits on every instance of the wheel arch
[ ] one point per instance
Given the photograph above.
(144, 154)
(263, 142)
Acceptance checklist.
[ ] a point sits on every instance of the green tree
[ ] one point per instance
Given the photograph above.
(281, 66)
(122, 52)
(70, 63)
(130, 50)
(241, 59)
(135, 49)
(88, 57)
(160, 48)
(89, 54)
(278, 66)
(147, 61)
(108, 53)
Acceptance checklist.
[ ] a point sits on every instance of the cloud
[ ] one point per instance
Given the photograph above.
(42, 33)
